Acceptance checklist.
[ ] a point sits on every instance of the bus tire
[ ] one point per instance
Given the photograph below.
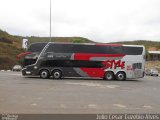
(109, 75)
(121, 75)
(57, 74)
(44, 74)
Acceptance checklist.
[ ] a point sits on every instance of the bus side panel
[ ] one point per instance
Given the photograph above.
(97, 72)
(132, 72)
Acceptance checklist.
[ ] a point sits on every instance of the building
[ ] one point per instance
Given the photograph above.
(154, 55)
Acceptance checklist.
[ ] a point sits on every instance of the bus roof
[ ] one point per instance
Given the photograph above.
(100, 44)
(103, 44)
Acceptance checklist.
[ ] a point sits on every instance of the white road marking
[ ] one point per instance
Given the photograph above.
(148, 107)
(112, 86)
(33, 104)
(92, 106)
(132, 108)
(94, 85)
(119, 105)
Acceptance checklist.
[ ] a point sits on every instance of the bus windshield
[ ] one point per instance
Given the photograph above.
(34, 50)
(36, 47)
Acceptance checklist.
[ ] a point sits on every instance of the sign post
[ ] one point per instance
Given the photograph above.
(25, 43)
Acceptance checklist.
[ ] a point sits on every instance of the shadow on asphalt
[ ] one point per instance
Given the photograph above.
(83, 79)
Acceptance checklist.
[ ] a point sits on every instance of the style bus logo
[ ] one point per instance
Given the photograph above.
(113, 64)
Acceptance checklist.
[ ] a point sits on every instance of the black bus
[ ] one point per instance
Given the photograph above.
(108, 61)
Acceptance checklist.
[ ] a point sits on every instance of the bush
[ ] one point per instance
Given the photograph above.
(78, 40)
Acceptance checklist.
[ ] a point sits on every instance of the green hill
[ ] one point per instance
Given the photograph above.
(10, 46)
(146, 43)
(59, 39)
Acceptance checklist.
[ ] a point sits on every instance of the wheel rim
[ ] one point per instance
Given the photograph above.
(44, 74)
(109, 76)
(120, 76)
(57, 74)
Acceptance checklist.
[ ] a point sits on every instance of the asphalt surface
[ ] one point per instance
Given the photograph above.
(34, 95)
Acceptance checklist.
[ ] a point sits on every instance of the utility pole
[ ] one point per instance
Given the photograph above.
(50, 20)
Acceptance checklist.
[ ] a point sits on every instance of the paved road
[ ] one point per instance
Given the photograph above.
(34, 95)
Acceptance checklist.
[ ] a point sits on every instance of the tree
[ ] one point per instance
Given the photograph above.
(78, 40)
(147, 55)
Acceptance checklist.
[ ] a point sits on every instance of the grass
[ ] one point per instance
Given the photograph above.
(10, 46)
(153, 64)
(59, 39)
(146, 43)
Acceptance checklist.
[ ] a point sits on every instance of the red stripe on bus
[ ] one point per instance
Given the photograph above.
(84, 56)
(94, 72)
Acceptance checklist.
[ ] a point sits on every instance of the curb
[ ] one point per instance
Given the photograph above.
(5, 70)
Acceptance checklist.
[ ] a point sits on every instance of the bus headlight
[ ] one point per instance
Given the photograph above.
(35, 67)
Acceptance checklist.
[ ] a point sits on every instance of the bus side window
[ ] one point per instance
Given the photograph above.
(116, 50)
(137, 66)
(132, 50)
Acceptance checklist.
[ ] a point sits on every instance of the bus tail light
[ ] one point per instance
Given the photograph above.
(19, 56)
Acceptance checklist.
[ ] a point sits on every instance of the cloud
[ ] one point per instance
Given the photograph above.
(99, 20)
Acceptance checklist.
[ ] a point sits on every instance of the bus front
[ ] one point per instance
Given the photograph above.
(30, 57)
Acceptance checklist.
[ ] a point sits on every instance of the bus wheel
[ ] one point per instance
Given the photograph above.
(57, 74)
(121, 76)
(44, 74)
(109, 75)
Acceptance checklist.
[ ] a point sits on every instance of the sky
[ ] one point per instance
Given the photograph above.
(98, 20)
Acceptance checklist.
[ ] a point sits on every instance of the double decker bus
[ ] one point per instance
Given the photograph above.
(107, 61)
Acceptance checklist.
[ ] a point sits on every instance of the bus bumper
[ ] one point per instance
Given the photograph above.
(25, 72)
(28, 71)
